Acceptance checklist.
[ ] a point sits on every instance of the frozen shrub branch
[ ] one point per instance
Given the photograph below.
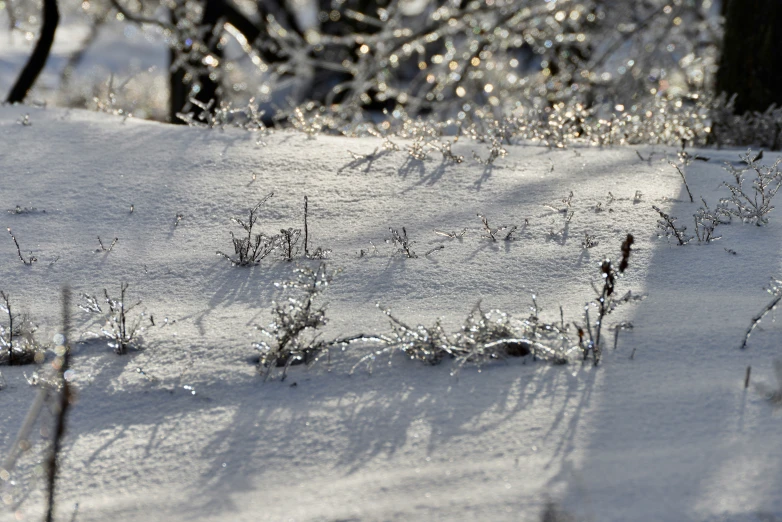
(751, 207)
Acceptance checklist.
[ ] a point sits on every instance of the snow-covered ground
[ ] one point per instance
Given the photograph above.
(185, 429)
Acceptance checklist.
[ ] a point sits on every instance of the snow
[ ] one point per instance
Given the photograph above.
(662, 429)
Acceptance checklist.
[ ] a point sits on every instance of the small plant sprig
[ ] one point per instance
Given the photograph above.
(667, 227)
(401, 243)
(495, 151)
(706, 220)
(567, 201)
(103, 248)
(448, 155)
(30, 260)
(252, 249)
(589, 241)
(494, 233)
(775, 289)
(755, 206)
(451, 235)
(288, 241)
(18, 345)
(638, 197)
(418, 150)
(121, 333)
(605, 303)
(686, 158)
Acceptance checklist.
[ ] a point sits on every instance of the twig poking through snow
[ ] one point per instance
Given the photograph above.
(775, 289)
(32, 259)
(684, 179)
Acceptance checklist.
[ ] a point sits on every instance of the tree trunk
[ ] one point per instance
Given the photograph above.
(26, 80)
(751, 64)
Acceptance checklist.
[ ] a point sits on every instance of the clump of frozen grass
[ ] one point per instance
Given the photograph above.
(775, 289)
(666, 226)
(751, 205)
(426, 344)
(485, 336)
(402, 243)
(18, 345)
(293, 333)
(250, 250)
(496, 151)
(493, 335)
(121, 332)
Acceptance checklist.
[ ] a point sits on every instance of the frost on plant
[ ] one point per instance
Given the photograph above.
(17, 338)
(484, 337)
(294, 322)
(288, 241)
(750, 200)
(252, 248)
(122, 332)
(706, 220)
(426, 344)
(293, 336)
(666, 226)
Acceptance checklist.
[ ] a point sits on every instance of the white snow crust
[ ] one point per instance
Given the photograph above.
(669, 434)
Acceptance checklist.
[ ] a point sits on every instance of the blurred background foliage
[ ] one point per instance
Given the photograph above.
(585, 65)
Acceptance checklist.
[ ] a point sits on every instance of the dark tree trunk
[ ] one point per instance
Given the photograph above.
(751, 62)
(26, 80)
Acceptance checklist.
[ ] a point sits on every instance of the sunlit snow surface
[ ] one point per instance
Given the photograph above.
(186, 430)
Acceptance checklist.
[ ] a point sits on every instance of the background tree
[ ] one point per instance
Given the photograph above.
(751, 64)
(37, 61)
